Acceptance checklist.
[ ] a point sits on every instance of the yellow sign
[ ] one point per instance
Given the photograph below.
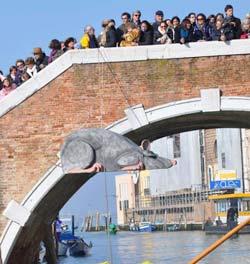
(226, 175)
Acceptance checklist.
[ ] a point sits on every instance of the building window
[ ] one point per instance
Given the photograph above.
(223, 160)
(120, 205)
(177, 146)
(210, 173)
(125, 204)
(146, 191)
(215, 149)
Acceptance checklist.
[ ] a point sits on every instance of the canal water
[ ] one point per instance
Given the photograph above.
(160, 248)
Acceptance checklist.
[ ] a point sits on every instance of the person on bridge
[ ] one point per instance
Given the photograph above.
(89, 41)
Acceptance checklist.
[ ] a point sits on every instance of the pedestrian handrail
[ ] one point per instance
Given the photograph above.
(219, 241)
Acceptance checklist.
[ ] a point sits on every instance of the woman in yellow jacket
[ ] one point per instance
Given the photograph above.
(89, 41)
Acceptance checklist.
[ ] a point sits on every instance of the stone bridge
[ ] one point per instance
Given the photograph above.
(139, 92)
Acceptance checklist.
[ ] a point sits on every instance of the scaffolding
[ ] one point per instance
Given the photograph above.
(175, 207)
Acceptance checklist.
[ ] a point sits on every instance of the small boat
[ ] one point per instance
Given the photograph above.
(146, 227)
(172, 228)
(112, 229)
(80, 248)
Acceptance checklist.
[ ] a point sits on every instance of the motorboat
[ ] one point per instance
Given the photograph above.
(146, 227)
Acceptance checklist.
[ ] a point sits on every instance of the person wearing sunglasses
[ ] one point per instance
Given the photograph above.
(202, 30)
(136, 18)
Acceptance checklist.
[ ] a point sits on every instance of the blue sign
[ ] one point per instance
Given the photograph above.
(226, 184)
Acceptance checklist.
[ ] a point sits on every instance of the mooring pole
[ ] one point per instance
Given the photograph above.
(219, 242)
(73, 224)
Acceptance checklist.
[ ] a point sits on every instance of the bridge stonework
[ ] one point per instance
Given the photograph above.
(95, 95)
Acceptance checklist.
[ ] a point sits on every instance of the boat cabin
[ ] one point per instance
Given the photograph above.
(240, 201)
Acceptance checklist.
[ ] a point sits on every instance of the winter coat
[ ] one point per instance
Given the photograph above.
(111, 37)
(202, 32)
(155, 25)
(88, 41)
(234, 31)
(186, 34)
(130, 38)
(216, 33)
(54, 54)
(15, 79)
(174, 34)
(42, 62)
(122, 30)
(146, 37)
(245, 35)
(32, 72)
(161, 37)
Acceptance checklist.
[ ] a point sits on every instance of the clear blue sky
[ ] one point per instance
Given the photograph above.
(28, 24)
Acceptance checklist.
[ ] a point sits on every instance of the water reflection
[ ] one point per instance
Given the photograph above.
(162, 248)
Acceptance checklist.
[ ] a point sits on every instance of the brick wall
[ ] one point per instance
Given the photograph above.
(210, 152)
(31, 133)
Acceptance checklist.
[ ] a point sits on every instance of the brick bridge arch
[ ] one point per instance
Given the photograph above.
(163, 90)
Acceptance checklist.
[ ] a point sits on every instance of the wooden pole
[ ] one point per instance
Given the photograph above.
(219, 242)
(97, 221)
(73, 224)
(49, 245)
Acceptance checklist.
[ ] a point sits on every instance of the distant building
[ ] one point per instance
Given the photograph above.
(206, 161)
(125, 194)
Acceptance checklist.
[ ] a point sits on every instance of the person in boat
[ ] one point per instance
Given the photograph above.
(57, 232)
(232, 215)
(218, 222)
(209, 222)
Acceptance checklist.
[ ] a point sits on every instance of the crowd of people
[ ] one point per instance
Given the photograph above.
(133, 31)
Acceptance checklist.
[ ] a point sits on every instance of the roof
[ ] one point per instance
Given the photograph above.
(228, 196)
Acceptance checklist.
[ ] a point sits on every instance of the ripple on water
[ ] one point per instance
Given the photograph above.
(161, 248)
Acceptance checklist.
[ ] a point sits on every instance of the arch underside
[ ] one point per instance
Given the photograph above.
(55, 195)
(167, 127)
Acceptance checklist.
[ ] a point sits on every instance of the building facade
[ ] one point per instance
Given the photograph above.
(205, 159)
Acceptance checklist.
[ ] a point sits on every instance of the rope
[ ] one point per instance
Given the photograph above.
(101, 73)
(106, 60)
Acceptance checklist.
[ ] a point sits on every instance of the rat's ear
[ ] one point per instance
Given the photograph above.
(76, 153)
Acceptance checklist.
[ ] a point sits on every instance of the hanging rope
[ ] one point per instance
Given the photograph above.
(106, 60)
(101, 73)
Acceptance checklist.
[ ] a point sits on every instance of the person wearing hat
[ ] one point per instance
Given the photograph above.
(41, 60)
(159, 15)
